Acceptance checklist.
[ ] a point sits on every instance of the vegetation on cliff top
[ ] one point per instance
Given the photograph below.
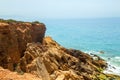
(15, 21)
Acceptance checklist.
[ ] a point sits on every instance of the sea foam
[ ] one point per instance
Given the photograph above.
(112, 70)
(113, 63)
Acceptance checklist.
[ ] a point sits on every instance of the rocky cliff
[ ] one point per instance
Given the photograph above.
(25, 54)
(14, 37)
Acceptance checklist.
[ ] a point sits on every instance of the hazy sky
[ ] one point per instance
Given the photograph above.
(60, 8)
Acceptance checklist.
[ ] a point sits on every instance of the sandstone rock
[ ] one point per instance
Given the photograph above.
(8, 75)
(53, 61)
(25, 50)
(13, 40)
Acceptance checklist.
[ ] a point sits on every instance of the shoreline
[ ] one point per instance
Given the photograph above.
(111, 68)
(42, 56)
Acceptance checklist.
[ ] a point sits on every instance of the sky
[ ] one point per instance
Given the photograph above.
(60, 8)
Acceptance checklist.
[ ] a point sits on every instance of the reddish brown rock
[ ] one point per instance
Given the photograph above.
(24, 50)
(13, 39)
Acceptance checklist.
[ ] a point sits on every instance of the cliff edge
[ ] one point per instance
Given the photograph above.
(25, 54)
(14, 37)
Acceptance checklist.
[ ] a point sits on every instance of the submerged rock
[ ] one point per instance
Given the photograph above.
(102, 52)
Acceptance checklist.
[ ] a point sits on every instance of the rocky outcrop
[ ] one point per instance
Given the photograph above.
(31, 56)
(51, 61)
(13, 39)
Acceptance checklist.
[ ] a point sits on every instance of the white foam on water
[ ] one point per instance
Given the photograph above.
(113, 63)
(112, 70)
(92, 52)
(117, 58)
(113, 66)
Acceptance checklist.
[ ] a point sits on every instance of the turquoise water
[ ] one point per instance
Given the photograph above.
(89, 35)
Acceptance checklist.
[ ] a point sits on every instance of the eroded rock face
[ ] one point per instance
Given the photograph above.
(49, 60)
(25, 50)
(14, 38)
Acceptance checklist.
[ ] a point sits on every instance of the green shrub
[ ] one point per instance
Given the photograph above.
(36, 22)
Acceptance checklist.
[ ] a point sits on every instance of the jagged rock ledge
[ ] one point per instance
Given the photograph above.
(25, 50)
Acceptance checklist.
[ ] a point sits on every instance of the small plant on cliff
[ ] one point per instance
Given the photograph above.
(11, 20)
(2, 20)
(36, 22)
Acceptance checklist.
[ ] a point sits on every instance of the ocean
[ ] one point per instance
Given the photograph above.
(97, 36)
